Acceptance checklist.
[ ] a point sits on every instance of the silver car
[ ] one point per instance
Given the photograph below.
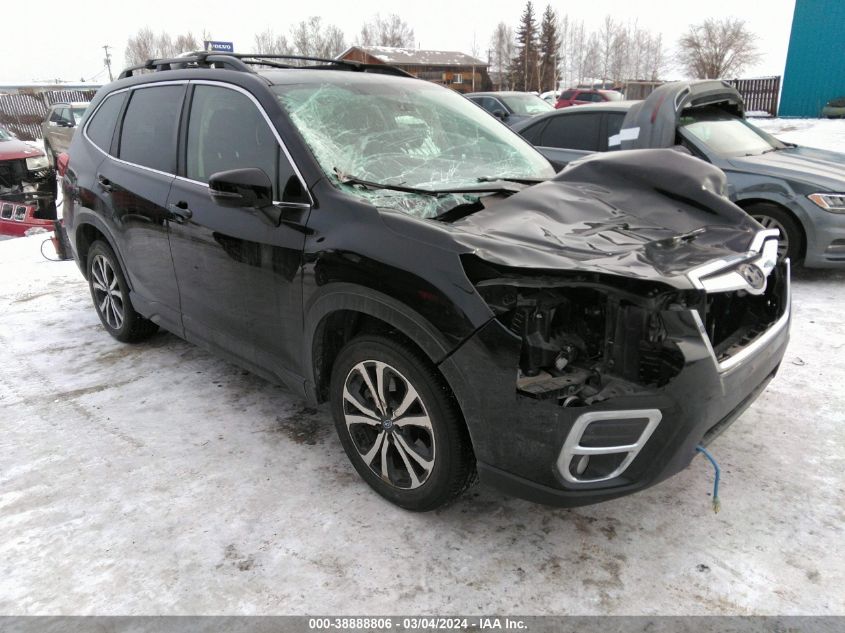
(58, 128)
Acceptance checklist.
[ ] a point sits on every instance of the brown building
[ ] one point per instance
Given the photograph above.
(458, 71)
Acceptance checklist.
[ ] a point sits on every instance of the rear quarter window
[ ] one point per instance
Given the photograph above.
(533, 133)
(101, 128)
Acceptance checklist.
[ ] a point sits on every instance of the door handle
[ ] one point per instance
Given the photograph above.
(105, 183)
(179, 211)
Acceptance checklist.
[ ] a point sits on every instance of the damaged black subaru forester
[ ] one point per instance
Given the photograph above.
(381, 243)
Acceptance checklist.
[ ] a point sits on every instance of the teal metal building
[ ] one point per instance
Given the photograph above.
(815, 63)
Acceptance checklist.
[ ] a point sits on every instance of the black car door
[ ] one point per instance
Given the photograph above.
(238, 270)
(134, 183)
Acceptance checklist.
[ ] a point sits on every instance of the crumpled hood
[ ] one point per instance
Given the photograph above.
(14, 149)
(806, 164)
(615, 213)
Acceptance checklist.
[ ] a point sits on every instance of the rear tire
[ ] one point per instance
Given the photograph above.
(110, 294)
(771, 216)
(399, 425)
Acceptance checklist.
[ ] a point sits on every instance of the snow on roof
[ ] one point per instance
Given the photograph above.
(416, 56)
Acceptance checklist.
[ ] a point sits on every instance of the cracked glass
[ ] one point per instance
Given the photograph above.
(409, 134)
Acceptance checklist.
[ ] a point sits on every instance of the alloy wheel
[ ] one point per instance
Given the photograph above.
(107, 294)
(389, 424)
(783, 240)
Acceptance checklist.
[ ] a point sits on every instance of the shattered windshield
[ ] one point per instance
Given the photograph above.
(410, 134)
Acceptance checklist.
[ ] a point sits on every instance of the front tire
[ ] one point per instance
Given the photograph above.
(772, 216)
(110, 294)
(399, 424)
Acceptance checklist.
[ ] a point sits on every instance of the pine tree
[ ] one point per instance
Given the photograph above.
(525, 66)
(549, 47)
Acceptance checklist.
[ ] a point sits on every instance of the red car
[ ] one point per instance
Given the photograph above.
(577, 96)
(27, 187)
(17, 219)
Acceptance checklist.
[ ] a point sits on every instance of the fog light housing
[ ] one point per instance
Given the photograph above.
(602, 444)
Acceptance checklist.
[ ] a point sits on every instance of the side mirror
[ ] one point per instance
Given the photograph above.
(65, 123)
(500, 114)
(249, 187)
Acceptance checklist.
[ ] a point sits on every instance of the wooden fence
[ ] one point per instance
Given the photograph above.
(23, 109)
(760, 95)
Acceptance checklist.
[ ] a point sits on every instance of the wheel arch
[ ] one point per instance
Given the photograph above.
(89, 228)
(343, 310)
(747, 203)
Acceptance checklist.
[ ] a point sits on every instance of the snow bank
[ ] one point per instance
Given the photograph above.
(826, 134)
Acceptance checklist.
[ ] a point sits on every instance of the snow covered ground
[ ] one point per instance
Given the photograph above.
(157, 479)
(822, 133)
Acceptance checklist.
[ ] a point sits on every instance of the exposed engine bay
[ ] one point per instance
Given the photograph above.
(589, 337)
(18, 184)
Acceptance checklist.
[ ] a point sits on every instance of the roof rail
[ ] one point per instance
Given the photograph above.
(242, 62)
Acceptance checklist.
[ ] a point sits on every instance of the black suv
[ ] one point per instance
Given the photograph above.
(379, 242)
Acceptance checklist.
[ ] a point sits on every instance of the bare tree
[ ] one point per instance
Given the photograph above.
(269, 43)
(654, 57)
(717, 48)
(607, 38)
(502, 51)
(146, 45)
(186, 42)
(309, 38)
(391, 30)
(140, 47)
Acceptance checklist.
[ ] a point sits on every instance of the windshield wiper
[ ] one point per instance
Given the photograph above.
(347, 179)
(522, 181)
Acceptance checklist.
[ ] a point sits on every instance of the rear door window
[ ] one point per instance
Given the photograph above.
(573, 131)
(148, 134)
(101, 128)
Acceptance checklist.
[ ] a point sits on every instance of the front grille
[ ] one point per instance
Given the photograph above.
(735, 319)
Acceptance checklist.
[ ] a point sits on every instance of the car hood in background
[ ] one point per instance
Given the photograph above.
(818, 167)
(650, 214)
(653, 122)
(15, 150)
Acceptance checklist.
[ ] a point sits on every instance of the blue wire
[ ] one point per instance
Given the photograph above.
(703, 451)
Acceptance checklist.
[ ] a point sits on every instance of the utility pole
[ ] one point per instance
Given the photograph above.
(107, 60)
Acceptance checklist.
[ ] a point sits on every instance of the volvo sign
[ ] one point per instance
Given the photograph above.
(219, 47)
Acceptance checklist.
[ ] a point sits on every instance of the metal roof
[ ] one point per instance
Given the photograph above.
(416, 56)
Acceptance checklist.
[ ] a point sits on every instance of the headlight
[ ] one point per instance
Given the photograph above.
(833, 202)
(37, 162)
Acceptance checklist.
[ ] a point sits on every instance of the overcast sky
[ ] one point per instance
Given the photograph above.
(63, 40)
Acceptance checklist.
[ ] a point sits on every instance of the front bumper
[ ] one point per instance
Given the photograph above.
(519, 442)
